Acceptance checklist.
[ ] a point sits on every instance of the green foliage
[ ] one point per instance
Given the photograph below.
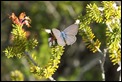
(108, 14)
(113, 42)
(44, 50)
(87, 36)
(93, 13)
(111, 11)
(17, 76)
(49, 69)
(47, 59)
(113, 32)
(31, 44)
(20, 44)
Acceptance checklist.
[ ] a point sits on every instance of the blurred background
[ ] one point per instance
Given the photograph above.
(77, 62)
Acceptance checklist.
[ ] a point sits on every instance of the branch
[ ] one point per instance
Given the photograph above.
(102, 61)
(26, 53)
(52, 79)
(120, 76)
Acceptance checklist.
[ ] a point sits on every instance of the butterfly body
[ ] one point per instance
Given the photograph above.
(63, 35)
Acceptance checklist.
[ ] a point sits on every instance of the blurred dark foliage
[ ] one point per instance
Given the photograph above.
(77, 62)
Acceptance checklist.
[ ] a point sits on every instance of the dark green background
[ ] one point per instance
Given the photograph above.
(77, 62)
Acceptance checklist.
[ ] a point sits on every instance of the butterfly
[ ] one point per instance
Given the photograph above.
(67, 36)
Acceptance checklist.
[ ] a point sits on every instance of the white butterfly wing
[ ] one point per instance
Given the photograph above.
(70, 39)
(72, 29)
(58, 36)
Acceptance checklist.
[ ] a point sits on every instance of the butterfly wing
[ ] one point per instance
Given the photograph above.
(70, 33)
(70, 39)
(58, 36)
(72, 29)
